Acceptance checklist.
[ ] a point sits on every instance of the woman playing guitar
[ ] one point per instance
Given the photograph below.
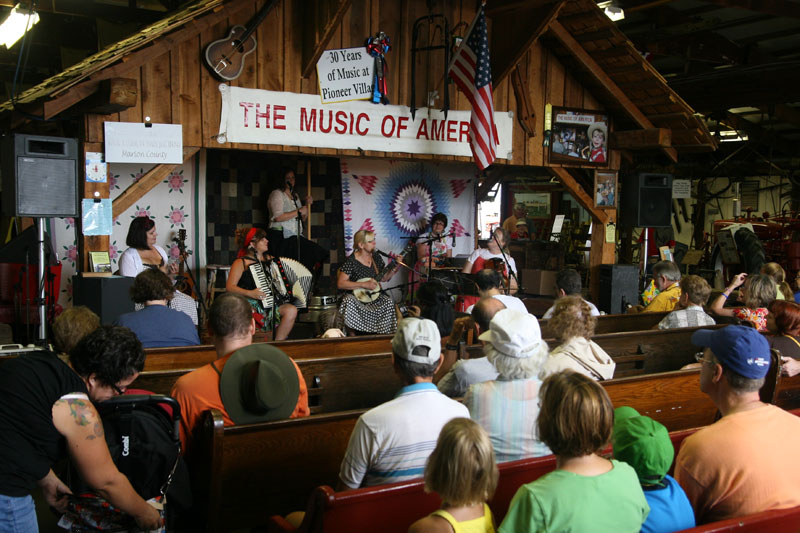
(253, 245)
(492, 257)
(378, 316)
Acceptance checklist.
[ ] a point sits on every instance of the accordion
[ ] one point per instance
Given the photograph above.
(287, 279)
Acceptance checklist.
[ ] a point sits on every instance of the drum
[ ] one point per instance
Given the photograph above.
(318, 304)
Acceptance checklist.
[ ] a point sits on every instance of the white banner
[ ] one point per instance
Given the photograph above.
(345, 75)
(136, 142)
(268, 117)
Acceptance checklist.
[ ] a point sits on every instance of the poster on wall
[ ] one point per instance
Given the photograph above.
(579, 136)
(397, 199)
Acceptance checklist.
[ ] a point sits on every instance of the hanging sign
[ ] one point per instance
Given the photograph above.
(267, 117)
(345, 75)
(140, 142)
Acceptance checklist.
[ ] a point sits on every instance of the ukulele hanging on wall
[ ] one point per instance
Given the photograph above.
(225, 57)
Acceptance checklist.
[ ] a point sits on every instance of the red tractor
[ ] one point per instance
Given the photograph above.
(745, 244)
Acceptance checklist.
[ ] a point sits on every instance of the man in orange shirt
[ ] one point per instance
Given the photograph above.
(736, 466)
(218, 384)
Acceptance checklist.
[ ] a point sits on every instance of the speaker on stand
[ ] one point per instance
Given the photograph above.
(647, 201)
(40, 179)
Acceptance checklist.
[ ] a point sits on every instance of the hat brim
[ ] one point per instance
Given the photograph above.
(703, 338)
(230, 383)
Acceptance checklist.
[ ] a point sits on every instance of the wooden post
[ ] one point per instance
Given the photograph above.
(308, 193)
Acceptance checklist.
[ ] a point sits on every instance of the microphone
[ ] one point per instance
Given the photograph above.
(453, 235)
(384, 254)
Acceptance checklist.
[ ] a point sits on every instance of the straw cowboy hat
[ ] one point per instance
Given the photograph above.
(597, 126)
(259, 383)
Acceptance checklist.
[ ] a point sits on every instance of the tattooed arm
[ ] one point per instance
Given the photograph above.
(77, 419)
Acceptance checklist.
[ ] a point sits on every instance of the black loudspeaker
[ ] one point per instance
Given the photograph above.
(647, 201)
(40, 176)
(619, 287)
(108, 296)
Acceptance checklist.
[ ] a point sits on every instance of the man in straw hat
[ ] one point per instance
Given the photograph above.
(392, 442)
(508, 407)
(248, 383)
(644, 444)
(739, 465)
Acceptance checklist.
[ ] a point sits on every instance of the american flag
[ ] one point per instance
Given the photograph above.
(471, 71)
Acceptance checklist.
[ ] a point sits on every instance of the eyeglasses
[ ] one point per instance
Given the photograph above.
(700, 358)
(119, 390)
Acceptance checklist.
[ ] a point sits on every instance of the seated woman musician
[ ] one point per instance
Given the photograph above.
(365, 309)
(267, 291)
(491, 257)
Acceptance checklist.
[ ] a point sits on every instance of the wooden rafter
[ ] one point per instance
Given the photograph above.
(319, 29)
(146, 183)
(600, 76)
(517, 36)
(580, 195)
(780, 8)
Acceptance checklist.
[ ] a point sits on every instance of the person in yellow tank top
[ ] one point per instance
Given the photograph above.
(462, 470)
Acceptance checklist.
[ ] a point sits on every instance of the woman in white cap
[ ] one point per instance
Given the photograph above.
(507, 408)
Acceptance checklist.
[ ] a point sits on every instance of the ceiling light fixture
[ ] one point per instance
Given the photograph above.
(612, 9)
(19, 21)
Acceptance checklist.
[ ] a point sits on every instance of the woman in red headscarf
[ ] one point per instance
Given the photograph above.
(253, 246)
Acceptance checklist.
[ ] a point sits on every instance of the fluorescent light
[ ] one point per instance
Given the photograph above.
(18, 22)
(612, 10)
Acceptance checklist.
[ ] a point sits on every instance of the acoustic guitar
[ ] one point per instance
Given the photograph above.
(366, 296)
(225, 57)
(183, 282)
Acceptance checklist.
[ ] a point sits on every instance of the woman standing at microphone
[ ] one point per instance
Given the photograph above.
(364, 312)
(285, 212)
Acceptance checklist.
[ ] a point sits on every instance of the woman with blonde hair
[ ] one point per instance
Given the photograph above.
(463, 472)
(373, 312)
(778, 275)
(757, 293)
(586, 492)
(573, 325)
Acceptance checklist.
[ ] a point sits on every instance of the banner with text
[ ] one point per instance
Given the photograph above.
(268, 117)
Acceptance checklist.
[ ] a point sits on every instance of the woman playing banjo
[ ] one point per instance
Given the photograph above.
(373, 312)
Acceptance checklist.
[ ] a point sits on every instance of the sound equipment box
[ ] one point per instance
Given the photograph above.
(646, 201)
(39, 176)
(619, 287)
(108, 296)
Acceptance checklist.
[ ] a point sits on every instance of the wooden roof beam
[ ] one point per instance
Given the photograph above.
(319, 29)
(517, 36)
(606, 82)
(780, 8)
(581, 196)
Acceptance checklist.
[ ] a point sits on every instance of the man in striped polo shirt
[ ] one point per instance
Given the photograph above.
(392, 442)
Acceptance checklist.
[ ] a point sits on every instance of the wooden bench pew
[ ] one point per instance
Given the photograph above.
(393, 508)
(616, 323)
(777, 521)
(256, 470)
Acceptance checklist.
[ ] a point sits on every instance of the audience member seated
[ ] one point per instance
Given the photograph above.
(689, 311)
(521, 232)
(783, 325)
(434, 304)
(495, 256)
(71, 326)
(231, 324)
(644, 444)
(573, 325)
(778, 275)
(465, 372)
(462, 471)
(758, 291)
(48, 414)
(586, 492)
(507, 407)
(156, 325)
(392, 442)
(666, 277)
(330, 324)
(568, 283)
(737, 466)
(490, 285)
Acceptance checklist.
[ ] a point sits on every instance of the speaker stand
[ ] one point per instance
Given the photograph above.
(41, 300)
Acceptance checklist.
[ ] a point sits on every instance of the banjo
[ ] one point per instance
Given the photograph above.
(370, 295)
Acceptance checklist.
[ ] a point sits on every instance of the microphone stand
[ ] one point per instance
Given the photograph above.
(299, 218)
(510, 270)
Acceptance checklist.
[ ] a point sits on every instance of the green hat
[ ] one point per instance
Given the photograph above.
(643, 443)
(259, 383)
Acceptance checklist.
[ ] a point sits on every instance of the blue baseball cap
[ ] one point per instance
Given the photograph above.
(741, 349)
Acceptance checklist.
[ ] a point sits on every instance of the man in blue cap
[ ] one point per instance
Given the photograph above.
(746, 462)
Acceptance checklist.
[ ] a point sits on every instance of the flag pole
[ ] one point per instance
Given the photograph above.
(464, 40)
